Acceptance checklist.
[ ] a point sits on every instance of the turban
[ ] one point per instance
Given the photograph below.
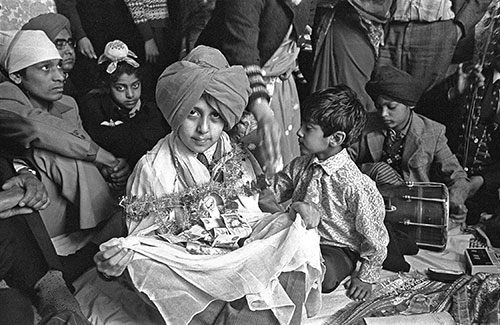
(396, 84)
(26, 48)
(51, 23)
(203, 71)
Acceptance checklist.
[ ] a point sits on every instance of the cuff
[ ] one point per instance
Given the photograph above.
(257, 84)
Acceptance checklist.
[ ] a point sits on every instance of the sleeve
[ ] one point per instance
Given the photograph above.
(449, 170)
(68, 9)
(139, 183)
(468, 13)
(138, 12)
(52, 133)
(241, 44)
(368, 207)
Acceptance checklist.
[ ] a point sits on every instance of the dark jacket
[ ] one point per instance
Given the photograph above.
(248, 32)
(132, 137)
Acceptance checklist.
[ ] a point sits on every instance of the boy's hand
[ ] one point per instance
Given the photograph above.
(358, 290)
(309, 213)
(112, 261)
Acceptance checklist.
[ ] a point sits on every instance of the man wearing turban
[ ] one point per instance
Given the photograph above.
(58, 30)
(414, 146)
(64, 154)
(201, 96)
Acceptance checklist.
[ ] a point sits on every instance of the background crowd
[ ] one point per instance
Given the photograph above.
(82, 100)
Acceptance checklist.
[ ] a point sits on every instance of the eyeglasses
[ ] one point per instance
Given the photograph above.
(61, 43)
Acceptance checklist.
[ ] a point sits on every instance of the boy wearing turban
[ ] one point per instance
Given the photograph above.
(201, 96)
(414, 146)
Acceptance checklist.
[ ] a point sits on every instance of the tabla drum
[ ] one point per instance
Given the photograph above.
(422, 210)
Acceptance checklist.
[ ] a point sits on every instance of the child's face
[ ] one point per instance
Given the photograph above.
(394, 114)
(312, 140)
(126, 91)
(202, 127)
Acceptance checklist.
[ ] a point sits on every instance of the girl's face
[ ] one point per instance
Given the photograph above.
(126, 91)
(202, 127)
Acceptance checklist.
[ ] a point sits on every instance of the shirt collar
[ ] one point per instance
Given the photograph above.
(496, 75)
(333, 163)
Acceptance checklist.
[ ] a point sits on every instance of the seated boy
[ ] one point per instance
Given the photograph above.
(414, 146)
(350, 207)
(266, 281)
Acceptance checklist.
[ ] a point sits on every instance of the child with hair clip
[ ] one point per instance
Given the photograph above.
(114, 115)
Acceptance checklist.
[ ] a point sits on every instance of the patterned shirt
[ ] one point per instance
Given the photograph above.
(351, 207)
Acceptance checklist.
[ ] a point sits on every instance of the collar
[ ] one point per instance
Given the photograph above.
(331, 164)
(496, 75)
(209, 153)
(132, 112)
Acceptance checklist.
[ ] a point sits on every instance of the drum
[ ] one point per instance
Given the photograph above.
(422, 210)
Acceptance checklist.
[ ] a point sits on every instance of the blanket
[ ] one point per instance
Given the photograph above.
(469, 300)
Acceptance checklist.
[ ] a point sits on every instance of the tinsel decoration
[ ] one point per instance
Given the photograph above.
(176, 212)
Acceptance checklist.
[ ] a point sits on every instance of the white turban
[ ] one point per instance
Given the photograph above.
(26, 48)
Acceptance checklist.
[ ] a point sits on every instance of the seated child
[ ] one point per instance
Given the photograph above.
(351, 208)
(114, 116)
(201, 97)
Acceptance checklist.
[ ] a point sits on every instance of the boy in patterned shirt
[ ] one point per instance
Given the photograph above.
(344, 203)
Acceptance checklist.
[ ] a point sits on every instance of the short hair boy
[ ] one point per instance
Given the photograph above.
(351, 208)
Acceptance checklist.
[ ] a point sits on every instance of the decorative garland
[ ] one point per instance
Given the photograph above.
(176, 212)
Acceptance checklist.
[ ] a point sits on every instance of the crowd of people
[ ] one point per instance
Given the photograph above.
(125, 119)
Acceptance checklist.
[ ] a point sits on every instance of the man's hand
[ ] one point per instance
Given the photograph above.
(468, 74)
(458, 212)
(119, 173)
(151, 51)
(35, 195)
(9, 201)
(309, 213)
(357, 289)
(112, 261)
(86, 48)
(269, 134)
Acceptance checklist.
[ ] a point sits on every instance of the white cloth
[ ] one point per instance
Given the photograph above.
(182, 285)
(26, 48)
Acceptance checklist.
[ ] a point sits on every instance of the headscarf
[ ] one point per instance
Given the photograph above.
(26, 48)
(51, 23)
(116, 52)
(203, 70)
(396, 84)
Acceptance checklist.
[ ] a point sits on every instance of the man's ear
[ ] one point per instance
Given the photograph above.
(337, 138)
(16, 78)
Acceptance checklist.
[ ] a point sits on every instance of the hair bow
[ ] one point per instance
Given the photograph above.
(117, 51)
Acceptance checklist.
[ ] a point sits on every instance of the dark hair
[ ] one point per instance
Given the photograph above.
(105, 80)
(336, 109)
